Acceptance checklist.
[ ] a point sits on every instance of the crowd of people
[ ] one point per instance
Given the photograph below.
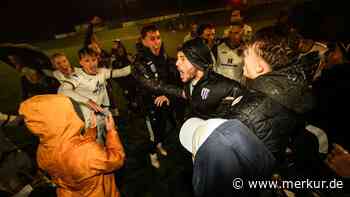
(248, 104)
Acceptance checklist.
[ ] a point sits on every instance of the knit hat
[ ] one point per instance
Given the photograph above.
(198, 53)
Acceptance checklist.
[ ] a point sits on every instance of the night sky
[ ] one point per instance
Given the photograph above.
(33, 19)
(25, 20)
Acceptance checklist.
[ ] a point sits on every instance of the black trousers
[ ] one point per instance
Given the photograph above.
(160, 119)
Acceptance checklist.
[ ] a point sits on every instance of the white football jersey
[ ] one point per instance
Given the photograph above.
(87, 87)
(83, 87)
(91, 86)
(229, 63)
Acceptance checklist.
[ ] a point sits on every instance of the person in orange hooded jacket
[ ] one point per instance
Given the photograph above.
(77, 164)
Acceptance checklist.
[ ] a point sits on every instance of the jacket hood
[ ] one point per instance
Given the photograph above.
(52, 118)
(289, 85)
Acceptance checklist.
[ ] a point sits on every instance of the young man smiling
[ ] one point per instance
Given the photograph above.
(153, 66)
(88, 85)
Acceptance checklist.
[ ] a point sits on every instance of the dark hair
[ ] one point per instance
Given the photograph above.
(202, 27)
(86, 52)
(56, 55)
(115, 51)
(148, 28)
(273, 46)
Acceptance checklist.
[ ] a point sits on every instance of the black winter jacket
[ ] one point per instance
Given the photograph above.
(274, 105)
(209, 92)
(154, 74)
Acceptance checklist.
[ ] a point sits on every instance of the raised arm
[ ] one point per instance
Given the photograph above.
(141, 75)
(116, 73)
(111, 157)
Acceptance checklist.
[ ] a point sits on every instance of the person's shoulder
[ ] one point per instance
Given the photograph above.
(86, 146)
(222, 45)
(139, 57)
(218, 77)
(214, 76)
(142, 60)
(103, 70)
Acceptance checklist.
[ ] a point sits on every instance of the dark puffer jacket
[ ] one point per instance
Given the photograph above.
(209, 92)
(154, 74)
(274, 105)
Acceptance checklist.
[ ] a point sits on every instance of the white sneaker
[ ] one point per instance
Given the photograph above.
(154, 160)
(161, 150)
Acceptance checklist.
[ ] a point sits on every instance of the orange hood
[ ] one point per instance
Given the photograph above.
(53, 119)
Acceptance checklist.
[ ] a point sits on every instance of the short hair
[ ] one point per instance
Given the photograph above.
(56, 55)
(273, 46)
(85, 51)
(236, 24)
(148, 28)
(202, 27)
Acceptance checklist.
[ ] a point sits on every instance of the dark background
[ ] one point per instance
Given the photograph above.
(40, 19)
(23, 20)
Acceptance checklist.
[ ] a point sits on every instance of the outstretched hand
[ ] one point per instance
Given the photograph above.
(160, 100)
(110, 125)
(93, 122)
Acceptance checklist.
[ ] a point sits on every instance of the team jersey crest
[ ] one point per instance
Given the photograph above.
(205, 93)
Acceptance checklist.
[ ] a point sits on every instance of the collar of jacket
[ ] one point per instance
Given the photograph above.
(147, 53)
(204, 80)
